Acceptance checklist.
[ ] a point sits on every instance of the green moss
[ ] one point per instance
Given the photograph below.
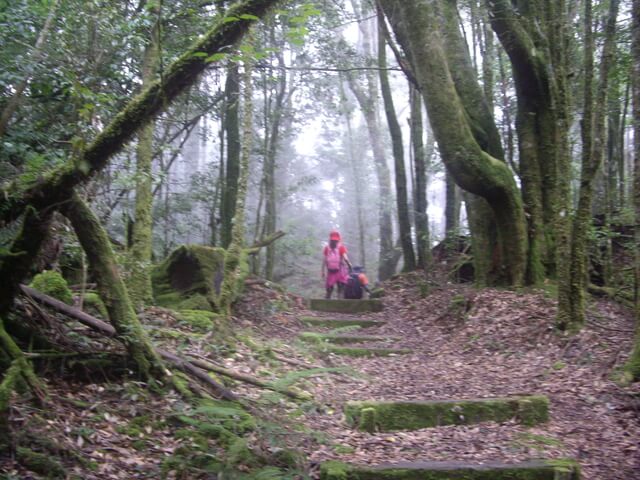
(189, 271)
(368, 420)
(414, 415)
(93, 304)
(377, 293)
(531, 470)
(341, 322)
(365, 352)
(346, 306)
(239, 453)
(196, 301)
(343, 449)
(51, 283)
(199, 319)
(40, 463)
(312, 337)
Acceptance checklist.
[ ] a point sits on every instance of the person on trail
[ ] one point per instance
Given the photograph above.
(356, 283)
(335, 262)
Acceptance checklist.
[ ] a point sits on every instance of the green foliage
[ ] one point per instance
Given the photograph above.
(51, 283)
(93, 304)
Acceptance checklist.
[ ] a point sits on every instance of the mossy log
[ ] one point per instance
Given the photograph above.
(346, 306)
(341, 322)
(339, 338)
(531, 470)
(365, 352)
(414, 415)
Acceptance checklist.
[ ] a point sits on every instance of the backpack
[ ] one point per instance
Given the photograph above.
(353, 288)
(333, 260)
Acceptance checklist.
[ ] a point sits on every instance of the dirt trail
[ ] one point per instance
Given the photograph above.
(504, 345)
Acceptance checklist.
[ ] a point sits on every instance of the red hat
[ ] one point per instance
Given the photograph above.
(334, 235)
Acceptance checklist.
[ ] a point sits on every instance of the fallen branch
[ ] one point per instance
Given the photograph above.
(265, 242)
(612, 293)
(246, 378)
(108, 330)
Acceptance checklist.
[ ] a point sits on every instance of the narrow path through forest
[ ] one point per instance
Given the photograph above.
(468, 344)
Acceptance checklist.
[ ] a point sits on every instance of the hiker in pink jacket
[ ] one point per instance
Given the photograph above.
(334, 264)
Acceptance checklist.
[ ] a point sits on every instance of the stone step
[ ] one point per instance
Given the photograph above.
(341, 322)
(346, 306)
(530, 470)
(371, 416)
(340, 338)
(365, 352)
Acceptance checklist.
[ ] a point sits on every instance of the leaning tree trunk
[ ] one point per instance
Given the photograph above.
(56, 187)
(139, 262)
(402, 201)
(95, 243)
(416, 26)
(632, 366)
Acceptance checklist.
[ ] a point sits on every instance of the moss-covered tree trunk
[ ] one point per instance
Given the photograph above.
(235, 262)
(593, 131)
(633, 364)
(139, 262)
(272, 140)
(453, 201)
(96, 245)
(416, 24)
(232, 166)
(402, 201)
(522, 30)
(421, 164)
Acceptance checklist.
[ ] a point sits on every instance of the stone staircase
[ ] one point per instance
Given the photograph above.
(390, 416)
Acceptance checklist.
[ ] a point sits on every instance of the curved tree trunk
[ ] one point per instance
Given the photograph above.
(475, 170)
(95, 243)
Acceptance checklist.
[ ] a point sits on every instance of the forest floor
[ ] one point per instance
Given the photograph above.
(466, 343)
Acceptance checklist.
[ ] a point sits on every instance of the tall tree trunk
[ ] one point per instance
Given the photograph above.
(453, 200)
(139, 262)
(416, 26)
(386, 262)
(632, 366)
(420, 161)
(404, 222)
(232, 130)
(593, 131)
(95, 243)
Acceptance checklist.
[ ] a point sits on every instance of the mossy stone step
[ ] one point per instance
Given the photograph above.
(365, 352)
(345, 306)
(337, 338)
(341, 322)
(371, 416)
(530, 470)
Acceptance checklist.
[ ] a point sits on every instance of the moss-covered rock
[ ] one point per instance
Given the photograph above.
(414, 415)
(93, 304)
(53, 284)
(346, 306)
(531, 470)
(341, 322)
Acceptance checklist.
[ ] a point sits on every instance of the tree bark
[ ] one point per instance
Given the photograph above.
(402, 202)
(475, 170)
(96, 245)
(632, 367)
(232, 172)
(139, 261)
(593, 131)
(421, 165)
